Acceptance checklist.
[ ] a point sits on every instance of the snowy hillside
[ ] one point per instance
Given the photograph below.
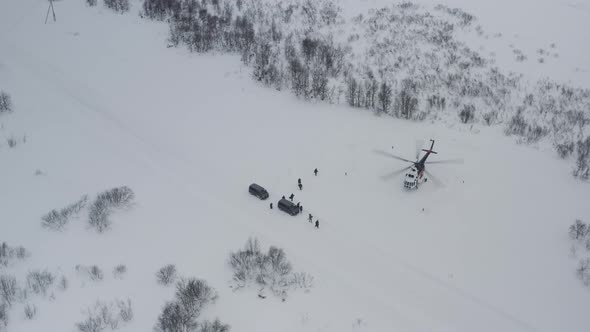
(100, 102)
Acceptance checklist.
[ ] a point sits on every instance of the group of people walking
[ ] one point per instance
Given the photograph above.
(292, 196)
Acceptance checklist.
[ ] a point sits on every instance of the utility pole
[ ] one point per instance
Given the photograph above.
(52, 11)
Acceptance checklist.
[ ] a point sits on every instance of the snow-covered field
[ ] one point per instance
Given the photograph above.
(103, 103)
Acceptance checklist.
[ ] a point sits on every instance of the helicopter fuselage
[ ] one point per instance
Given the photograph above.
(415, 174)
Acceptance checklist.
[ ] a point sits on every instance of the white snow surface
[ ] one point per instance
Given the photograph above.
(103, 103)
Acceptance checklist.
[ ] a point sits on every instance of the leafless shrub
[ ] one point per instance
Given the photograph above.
(91, 3)
(57, 220)
(579, 230)
(192, 296)
(105, 202)
(106, 316)
(30, 311)
(583, 271)
(93, 273)
(302, 280)
(166, 275)
(564, 150)
(63, 283)
(9, 254)
(119, 271)
(9, 289)
(582, 168)
(5, 102)
(215, 326)
(125, 311)
(3, 316)
(467, 113)
(40, 281)
(117, 198)
(271, 270)
(11, 142)
(98, 216)
(119, 6)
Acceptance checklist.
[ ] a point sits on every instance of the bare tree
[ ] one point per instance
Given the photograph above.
(5, 102)
(579, 230)
(166, 275)
(8, 289)
(384, 97)
(39, 281)
(30, 311)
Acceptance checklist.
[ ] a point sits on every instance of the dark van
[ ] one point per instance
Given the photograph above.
(288, 207)
(258, 191)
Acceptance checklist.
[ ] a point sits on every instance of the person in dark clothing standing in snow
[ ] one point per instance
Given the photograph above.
(291, 197)
(299, 181)
(317, 224)
(300, 186)
(271, 206)
(310, 218)
(315, 172)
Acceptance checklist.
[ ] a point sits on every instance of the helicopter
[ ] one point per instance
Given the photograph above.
(416, 173)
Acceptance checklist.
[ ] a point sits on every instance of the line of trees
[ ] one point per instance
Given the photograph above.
(401, 60)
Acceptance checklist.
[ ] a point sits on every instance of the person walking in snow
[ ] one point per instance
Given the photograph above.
(299, 181)
(315, 172)
(271, 206)
(310, 218)
(317, 224)
(300, 186)
(291, 197)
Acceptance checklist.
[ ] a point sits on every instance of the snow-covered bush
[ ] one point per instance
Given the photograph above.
(119, 6)
(30, 311)
(181, 314)
(92, 273)
(9, 290)
(271, 269)
(582, 168)
(63, 283)
(579, 230)
(98, 215)
(39, 281)
(56, 220)
(166, 275)
(105, 203)
(583, 271)
(3, 316)
(9, 254)
(91, 3)
(467, 113)
(119, 271)
(104, 316)
(5, 102)
(215, 326)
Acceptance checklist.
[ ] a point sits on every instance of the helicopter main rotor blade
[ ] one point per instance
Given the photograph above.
(390, 155)
(434, 179)
(394, 173)
(448, 161)
(419, 144)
